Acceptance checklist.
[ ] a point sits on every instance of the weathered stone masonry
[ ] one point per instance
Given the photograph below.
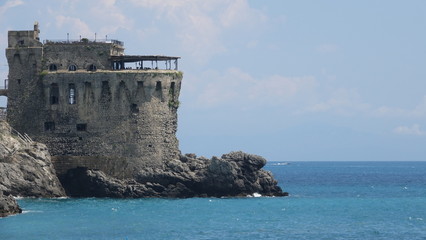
(89, 107)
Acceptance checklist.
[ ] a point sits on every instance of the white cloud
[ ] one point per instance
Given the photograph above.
(202, 25)
(239, 13)
(341, 101)
(280, 89)
(417, 111)
(9, 4)
(107, 12)
(237, 87)
(76, 25)
(410, 130)
(102, 17)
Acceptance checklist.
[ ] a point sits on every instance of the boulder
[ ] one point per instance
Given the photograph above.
(8, 206)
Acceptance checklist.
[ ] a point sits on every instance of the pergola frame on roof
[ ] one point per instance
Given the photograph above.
(118, 62)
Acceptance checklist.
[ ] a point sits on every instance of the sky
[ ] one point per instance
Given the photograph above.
(291, 81)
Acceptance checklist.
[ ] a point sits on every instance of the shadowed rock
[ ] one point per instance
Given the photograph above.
(234, 174)
(8, 206)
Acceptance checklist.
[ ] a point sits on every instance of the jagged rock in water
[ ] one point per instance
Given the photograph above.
(25, 167)
(84, 182)
(8, 206)
(234, 174)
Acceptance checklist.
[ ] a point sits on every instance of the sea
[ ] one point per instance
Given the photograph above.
(328, 200)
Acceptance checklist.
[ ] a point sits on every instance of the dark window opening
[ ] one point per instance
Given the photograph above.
(17, 58)
(53, 67)
(72, 68)
(81, 127)
(49, 126)
(172, 89)
(158, 86)
(54, 93)
(92, 67)
(21, 42)
(72, 92)
(134, 108)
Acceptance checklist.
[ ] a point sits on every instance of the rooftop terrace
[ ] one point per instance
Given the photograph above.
(83, 40)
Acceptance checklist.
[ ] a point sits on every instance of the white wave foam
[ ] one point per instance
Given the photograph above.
(61, 198)
(255, 195)
(280, 164)
(31, 211)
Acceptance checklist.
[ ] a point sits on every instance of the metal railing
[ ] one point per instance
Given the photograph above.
(84, 40)
(24, 137)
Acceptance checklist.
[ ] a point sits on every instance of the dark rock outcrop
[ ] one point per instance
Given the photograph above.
(234, 174)
(8, 206)
(25, 166)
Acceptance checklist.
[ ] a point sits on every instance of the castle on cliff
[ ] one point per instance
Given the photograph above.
(92, 105)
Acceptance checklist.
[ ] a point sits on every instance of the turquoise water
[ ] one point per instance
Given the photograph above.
(340, 200)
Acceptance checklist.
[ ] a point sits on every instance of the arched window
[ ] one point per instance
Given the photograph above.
(92, 67)
(72, 68)
(71, 97)
(53, 67)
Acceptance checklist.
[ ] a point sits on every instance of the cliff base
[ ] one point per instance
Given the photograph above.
(234, 174)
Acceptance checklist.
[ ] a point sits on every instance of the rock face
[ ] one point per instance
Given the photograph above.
(25, 166)
(234, 174)
(8, 206)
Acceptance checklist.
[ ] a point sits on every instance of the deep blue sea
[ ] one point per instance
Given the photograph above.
(328, 200)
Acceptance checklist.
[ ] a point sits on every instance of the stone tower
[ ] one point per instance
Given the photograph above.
(91, 104)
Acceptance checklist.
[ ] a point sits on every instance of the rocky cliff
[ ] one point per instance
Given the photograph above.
(234, 174)
(25, 166)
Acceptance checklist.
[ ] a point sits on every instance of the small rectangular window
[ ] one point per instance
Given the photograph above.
(49, 126)
(81, 127)
(54, 93)
(158, 86)
(134, 108)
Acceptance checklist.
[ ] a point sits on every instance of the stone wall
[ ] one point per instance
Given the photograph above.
(24, 55)
(79, 54)
(116, 115)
